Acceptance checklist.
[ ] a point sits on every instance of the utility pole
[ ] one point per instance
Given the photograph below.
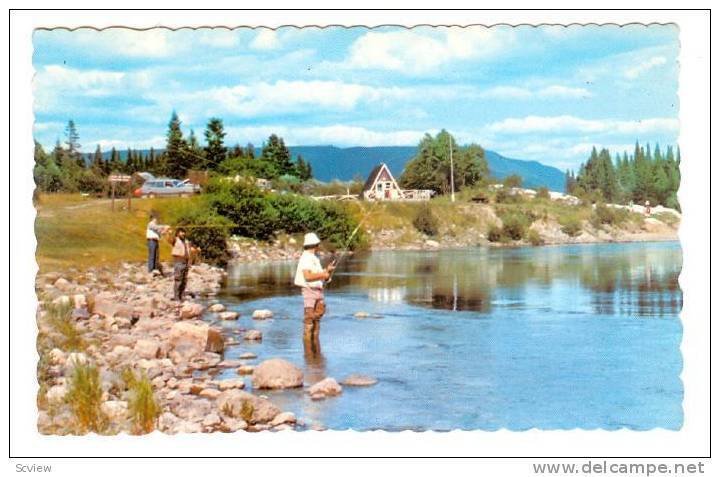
(452, 174)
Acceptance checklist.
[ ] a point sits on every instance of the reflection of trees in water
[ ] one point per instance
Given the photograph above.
(629, 279)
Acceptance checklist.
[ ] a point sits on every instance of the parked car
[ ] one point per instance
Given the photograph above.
(164, 187)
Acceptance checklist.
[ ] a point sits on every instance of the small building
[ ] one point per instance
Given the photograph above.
(381, 185)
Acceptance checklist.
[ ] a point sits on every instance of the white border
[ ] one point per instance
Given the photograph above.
(692, 440)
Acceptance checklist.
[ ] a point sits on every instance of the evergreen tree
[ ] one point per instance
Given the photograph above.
(250, 151)
(175, 157)
(196, 155)
(278, 156)
(97, 161)
(216, 152)
(72, 139)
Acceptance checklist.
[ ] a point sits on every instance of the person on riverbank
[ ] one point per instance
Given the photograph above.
(182, 251)
(310, 276)
(153, 232)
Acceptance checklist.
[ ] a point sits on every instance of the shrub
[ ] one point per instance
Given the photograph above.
(533, 236)
(604, 215)
(205, 229)
(515, 225)
(425, 221)
(571, 225)
(85, 397)
(260, 215)
(504, 196)
(143, 408)
(543, 193)
(66, 335)
(495, 234)
(513, 180)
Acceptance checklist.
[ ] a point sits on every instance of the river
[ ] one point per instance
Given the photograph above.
(556, 337)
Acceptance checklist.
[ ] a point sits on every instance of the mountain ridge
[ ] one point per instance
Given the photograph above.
(348, 163)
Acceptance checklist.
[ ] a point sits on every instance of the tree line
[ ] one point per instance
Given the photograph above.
(644, 175)
(67, 169)
(430, 168)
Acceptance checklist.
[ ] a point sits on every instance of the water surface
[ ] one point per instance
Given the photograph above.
(561, 337)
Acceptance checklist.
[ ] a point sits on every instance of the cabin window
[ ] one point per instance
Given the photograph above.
(379, 186)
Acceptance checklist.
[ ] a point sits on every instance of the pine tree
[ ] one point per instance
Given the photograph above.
(278, 156)
(72, 139)
(250, 151)
(215, 151)
(195, 154)
(175, 156)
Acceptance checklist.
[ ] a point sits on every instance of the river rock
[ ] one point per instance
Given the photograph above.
(190, 310)
(283, 418)
(253, 335)
(106, 305)
(148, 349)
(211, 420)
(248, 355)
(326, 388)
(277, 373)
(209, 393)
(62, 284)
(229, 363)
(115, 410)
(432, 243)
(361, 314)
(245, 370)
(262, 314)
(359, 380)
(216, 308)
(228, 315)
(226, 384)
(56, 394)
(79, 301)
(235, 403)
(57, 357)
(73, 360)
(193, 338)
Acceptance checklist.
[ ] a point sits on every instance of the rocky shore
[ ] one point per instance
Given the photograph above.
(123, 321)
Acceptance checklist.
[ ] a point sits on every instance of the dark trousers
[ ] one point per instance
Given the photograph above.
(180, 272)
(153, 255)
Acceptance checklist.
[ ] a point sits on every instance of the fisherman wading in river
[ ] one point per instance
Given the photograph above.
(310, 277)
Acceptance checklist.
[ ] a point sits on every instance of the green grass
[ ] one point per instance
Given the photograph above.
(85, 397)
(80, 232)
(143, 407)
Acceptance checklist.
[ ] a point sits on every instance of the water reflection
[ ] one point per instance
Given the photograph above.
(615, 278)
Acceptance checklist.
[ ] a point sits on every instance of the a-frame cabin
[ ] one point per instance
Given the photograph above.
(381, 185)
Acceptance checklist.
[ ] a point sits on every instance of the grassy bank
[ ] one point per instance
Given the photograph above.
(76, 231)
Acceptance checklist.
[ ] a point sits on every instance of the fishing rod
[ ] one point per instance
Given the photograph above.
(345, 249)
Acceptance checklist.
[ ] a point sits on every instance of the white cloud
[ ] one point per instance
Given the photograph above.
(566, 123)
(421, 50)
(266, 40)
(548, 92)
(280, 97)
(642, 68)
(157, 142)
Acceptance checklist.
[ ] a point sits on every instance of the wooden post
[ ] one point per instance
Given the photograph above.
(113, 196)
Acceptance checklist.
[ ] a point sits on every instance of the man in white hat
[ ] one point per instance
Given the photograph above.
(310, 277)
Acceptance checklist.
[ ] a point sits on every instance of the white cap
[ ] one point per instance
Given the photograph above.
(311, 239)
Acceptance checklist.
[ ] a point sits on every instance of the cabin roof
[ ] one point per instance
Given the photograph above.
(375, 173)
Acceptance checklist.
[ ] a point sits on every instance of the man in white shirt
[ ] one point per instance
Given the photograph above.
(310, 277)
(152, 234)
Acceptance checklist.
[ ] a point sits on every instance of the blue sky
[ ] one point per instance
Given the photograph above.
(548, 94)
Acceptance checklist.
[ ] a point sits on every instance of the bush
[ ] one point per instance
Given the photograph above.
(571, 225)
(515, 225)
(543, 193)
(142, 405)
(85, 397)
(533, 236)
(604, 215)
(495, 234)
(207, 230)
(260, 215)
(513, 180)
(425, 222)
(67, 336)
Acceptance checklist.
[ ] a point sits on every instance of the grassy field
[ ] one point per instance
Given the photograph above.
(80, 232)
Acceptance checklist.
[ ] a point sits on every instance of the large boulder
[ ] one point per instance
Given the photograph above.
(235, 403)
(188, 339)
(277, 373)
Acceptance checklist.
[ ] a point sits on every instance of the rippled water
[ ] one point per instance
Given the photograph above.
(557, 337)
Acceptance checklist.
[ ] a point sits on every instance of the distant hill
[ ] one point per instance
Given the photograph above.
(330, 162)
